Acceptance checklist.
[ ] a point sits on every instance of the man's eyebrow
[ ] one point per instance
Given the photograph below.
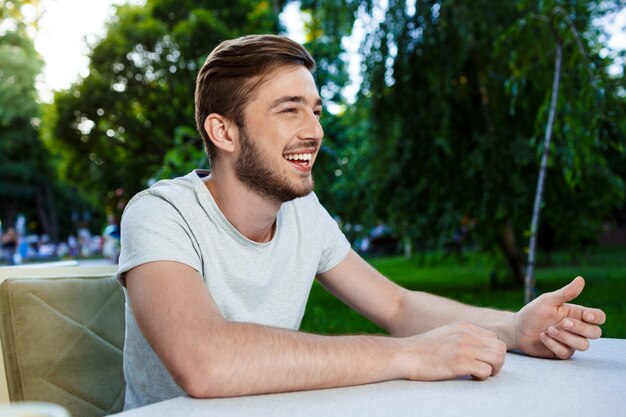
(293, 99)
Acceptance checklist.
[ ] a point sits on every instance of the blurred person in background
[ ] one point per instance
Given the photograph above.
(9, 245)
(111, 236)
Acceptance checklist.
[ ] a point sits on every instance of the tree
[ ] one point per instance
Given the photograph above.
(28, 179)
(564, 23)
(457, 97)
(25, 175)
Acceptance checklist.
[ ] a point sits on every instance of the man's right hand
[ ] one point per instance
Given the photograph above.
(452, 351)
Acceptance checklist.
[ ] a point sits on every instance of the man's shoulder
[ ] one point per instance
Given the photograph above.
(171, 197)
(172, 191)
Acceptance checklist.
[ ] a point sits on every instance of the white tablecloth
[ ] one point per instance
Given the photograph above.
(592, 383)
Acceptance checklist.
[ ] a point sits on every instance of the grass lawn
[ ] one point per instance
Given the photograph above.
(604, 270)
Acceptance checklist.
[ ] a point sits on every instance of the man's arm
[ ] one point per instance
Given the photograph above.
(403, 312)
(211, 357)
(547, 327)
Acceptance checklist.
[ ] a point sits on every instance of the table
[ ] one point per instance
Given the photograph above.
(592, 383)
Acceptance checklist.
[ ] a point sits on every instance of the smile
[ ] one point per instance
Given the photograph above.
(299, 157)
(301, 161)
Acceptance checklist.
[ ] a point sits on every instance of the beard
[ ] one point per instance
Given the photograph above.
(254, 170)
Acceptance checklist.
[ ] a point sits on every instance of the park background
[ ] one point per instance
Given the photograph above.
(434, 135)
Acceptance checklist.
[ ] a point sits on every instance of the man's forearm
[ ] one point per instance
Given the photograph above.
(209, 356)
(243, 359)
(420, 312)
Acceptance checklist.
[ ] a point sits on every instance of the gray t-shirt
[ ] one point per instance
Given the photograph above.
(264, 283)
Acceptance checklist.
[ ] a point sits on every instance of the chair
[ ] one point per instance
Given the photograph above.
(62, 340)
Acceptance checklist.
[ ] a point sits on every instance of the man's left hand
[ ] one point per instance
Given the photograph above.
(549, 327)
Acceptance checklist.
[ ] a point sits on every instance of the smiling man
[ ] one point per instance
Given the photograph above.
(218, 266)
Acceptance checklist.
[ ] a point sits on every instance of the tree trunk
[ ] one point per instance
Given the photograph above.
(276, 7)
(407, 246)
(45, 211)
(529, 280)
(510, 249)
(10, 214)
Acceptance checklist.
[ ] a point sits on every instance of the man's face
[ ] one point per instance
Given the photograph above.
(281, 136)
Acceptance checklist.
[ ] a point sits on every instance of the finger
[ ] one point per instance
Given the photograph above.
(480, 370)
(568, 339)
(568, 292)
(581, 328)
(497, 363)
(594, 315)
(590, 315)
(558, 349)
(494, 356)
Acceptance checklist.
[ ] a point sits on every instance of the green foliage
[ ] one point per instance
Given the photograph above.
(14, 16)
(22, 158)
(28, 181)
(582, 186)
(186, 154)
(456, 97)
(19, 65)
(328, 22)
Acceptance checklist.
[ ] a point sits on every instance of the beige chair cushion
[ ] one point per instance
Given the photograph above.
(62, 340)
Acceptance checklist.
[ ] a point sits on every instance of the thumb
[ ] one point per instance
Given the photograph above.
(568, 292)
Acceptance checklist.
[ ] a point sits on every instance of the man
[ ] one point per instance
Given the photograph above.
(218, 266)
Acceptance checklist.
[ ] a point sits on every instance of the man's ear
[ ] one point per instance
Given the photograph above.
(221, 131)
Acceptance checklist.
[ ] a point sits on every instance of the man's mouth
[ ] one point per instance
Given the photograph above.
(301, 161)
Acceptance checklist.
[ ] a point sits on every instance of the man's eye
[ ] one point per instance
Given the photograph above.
(289, 110)
(318, 113)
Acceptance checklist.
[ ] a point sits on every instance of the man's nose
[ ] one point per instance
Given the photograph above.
(312, 128)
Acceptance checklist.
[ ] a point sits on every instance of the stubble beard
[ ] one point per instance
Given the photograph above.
(254, 170)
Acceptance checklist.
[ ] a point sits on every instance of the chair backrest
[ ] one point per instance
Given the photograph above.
(62, 342)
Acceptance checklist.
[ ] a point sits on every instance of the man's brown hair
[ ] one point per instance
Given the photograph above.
(232, 72)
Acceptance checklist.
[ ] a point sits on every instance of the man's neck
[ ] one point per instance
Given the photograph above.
(235, 201)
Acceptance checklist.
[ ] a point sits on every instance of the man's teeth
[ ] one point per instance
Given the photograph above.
(299, 157)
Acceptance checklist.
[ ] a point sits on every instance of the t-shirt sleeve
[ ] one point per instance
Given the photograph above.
(152, 229)
(335, 244)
